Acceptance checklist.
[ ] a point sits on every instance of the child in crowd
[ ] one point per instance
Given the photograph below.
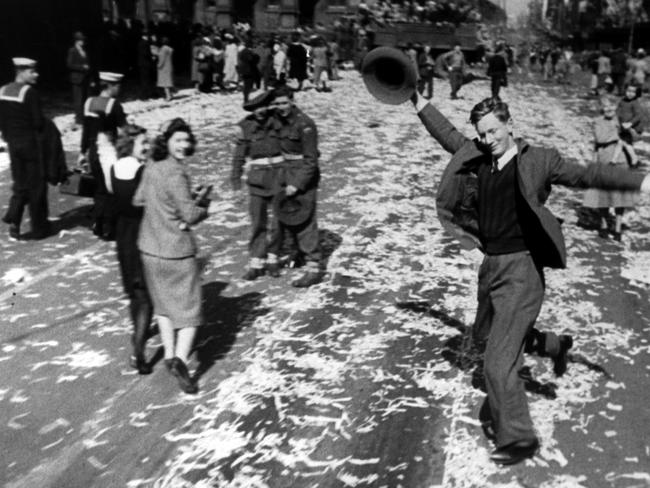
(611, 148)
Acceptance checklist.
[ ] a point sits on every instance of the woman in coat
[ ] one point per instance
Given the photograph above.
(168, 247)
(124, 163)
(165, 68)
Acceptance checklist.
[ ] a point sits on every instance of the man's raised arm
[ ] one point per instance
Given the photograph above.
(443, 131)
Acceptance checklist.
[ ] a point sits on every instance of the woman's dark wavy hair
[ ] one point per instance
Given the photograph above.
(159, 150)
(126, 139)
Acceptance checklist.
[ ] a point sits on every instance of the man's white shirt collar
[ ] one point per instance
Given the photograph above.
(506, 157)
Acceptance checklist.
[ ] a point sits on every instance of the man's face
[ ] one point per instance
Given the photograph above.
(282, 105)
(114, 89)
(494, 134)
(28, 75)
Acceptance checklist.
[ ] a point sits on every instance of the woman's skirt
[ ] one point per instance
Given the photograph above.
(596, 198)
(175, 289)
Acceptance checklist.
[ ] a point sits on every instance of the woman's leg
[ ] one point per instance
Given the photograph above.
(184, 342)
(167, 336)
(618, 225)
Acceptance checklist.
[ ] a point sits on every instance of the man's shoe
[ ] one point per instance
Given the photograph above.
(253, 273)
(308, 279)
(617, 236)
(515, 452)
(14, 231)
(560, 361)
(179, 369)
(273, 270)
(603, 233)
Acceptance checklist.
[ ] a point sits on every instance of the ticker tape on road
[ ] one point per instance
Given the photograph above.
(65, 261)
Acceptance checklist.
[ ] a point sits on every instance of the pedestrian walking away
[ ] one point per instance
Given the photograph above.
(296, 206)
(455, 62)
(492, 196)
(258, 158)
(22, 125)
(125, 162)
(168, 247)
(498, 72)
(102, 114)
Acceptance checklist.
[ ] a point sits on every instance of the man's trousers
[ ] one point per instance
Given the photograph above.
(510, 295)
(29, 189)
(262, 241)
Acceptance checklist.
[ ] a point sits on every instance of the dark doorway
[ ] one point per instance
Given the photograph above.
(242, 11)
(306, 15)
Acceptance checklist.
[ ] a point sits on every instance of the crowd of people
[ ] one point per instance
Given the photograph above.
(491, 196)
(437, 12)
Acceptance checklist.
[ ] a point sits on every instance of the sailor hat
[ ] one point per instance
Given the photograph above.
(24, 62)
(110, 77)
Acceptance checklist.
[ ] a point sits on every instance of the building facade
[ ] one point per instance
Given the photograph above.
(261, 14)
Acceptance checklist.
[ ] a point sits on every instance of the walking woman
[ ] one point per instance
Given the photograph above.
(168, 247)
(123, 165)
(165, 68)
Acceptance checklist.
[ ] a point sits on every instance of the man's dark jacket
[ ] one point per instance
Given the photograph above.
(537, 169)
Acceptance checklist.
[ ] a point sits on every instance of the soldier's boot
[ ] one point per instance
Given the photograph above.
(272, 266)
(312, 276)
(255, 269)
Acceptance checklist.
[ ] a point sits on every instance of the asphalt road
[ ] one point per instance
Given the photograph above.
(365, 380)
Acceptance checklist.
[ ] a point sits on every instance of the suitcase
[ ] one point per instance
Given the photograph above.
(79, 184)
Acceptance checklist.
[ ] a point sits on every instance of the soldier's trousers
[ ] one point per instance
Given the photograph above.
(510, 295)
(29, 189)
(306, 237)
(263, 239)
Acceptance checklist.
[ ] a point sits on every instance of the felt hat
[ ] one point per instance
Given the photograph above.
(292, 210)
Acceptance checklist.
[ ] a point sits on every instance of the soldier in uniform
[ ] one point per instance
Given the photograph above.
(22, 124)
(296, 206)
(102, 113)
(259, 158)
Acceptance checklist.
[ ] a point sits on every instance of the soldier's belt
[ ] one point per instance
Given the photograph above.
(265, 161)
(292, 157)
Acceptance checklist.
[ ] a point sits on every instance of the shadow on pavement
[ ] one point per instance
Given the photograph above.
(77, 217)
(463, 353)
(225, 317)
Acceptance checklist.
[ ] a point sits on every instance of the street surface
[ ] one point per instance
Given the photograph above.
(366, 380)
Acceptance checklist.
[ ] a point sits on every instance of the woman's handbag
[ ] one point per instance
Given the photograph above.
(79, 184)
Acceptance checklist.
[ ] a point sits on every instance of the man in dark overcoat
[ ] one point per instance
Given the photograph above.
(22, 124)
(247, 60)
(492, 196)
(497, 70)
(79, 73)
(297, 55)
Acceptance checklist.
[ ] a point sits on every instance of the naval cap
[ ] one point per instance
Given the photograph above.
(110, 77)
(24, 62)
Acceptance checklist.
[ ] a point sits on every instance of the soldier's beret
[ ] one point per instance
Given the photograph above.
(292, 210)
(259, 101)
